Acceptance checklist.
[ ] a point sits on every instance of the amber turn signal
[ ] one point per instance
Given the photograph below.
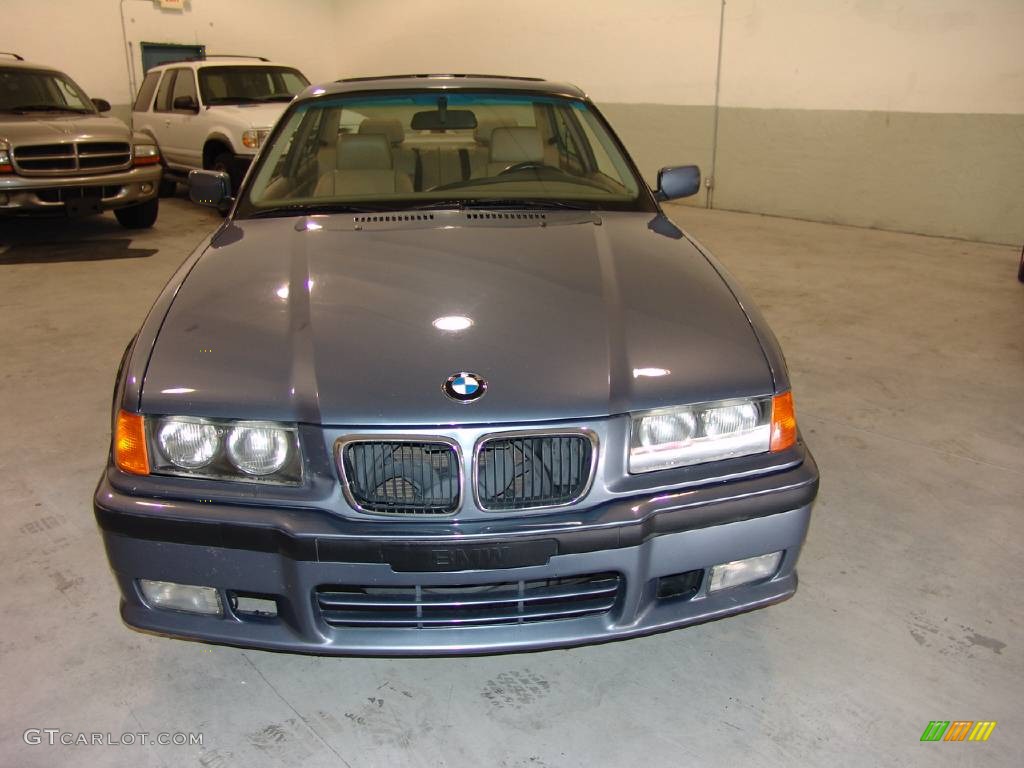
(783, 422)
(130, 444)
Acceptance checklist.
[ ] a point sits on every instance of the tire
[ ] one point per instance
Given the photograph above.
(168, 187)
(141, 216)
(226, 162)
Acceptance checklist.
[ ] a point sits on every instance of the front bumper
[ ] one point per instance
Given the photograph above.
(21, 195)
(287, 554)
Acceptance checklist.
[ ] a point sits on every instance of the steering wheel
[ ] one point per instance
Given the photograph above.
(525, 165)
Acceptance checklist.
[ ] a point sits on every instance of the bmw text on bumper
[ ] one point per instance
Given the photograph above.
(455, 385)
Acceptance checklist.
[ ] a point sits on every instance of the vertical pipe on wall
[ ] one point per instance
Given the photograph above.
(710, 181)
(128, 55)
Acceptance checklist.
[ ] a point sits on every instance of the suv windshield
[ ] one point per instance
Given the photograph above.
(249, 84)
(430, 150)
(40, 90)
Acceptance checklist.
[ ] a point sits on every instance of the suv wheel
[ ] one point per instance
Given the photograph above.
(141, 216)
(225, 162)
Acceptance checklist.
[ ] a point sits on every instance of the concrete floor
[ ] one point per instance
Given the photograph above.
(908, 359)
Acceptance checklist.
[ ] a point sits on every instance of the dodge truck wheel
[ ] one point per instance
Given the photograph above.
(141, 216)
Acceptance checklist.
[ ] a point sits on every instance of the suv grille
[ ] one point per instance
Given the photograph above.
(531, 471)
(80, 157)
(402, 477)
(513, 602)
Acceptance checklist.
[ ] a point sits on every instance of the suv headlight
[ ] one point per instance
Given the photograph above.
(695, 434)
(254, 138)
(145, 154)
(255, 451)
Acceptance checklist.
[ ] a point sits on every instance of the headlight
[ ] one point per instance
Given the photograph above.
(680, 437)
(188, 443)
(258, 449)
(5, 158)
(145, 154)
(262, 451)
(254, 138)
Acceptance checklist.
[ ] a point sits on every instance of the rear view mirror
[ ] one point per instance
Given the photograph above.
(185, 104)
(212, 188)
(443, 120)
(678, 181)
(102, 105)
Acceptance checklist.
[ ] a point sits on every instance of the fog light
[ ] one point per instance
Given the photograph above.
(182, 597)
(4, 199)
(744, 571)
(146, 188)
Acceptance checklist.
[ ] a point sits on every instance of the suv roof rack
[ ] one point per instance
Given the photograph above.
(226, 56)
(8, 53)
(438, 74)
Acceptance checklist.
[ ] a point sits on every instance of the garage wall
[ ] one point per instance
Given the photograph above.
(898, 115)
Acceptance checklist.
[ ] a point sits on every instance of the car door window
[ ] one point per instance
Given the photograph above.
(184, 85)
(145, 97)
(163, 96)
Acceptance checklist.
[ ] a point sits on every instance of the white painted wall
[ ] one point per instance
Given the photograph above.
(645, 51)
(901, 55)
(952, 56)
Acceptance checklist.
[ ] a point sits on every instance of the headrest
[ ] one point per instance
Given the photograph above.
(485, 127)
(390, 128)
(363, 152)
(516, 145)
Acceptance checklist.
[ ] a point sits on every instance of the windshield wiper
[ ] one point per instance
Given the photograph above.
(305, 209)
(276, 97)
(47, 108)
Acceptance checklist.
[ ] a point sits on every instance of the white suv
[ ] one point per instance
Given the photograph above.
(212, 113)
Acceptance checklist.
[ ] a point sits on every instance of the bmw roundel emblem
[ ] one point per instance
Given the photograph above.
(465, 387)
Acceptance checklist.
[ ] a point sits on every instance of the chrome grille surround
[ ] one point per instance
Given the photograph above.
(77, 157)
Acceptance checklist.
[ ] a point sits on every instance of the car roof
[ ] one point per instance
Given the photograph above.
(6, 63)
(219, 61)
(443, 82)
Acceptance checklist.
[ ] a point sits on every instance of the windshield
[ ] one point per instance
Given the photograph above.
(40, 90)
(249, 84)
(428, 150)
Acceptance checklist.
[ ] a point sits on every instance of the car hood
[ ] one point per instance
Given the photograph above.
(251, 115)
(37, 128)
(573, 316)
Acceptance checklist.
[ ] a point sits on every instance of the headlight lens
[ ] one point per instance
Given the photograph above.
(188, 443)
(680, 437)
(258, 449)
(145, 154)
(253, 451)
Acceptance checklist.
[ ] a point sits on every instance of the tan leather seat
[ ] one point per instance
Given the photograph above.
(364, 167)
(514, 145)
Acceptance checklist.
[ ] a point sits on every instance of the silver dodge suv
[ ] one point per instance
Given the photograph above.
(60, 155)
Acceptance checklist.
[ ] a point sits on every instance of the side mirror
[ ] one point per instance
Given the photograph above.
(212, 188)
(102, 105)
(185, 104)
(678, 181)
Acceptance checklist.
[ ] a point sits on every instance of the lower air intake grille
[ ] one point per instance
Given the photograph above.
(400, 477)
(530, 471)
(513, 602)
